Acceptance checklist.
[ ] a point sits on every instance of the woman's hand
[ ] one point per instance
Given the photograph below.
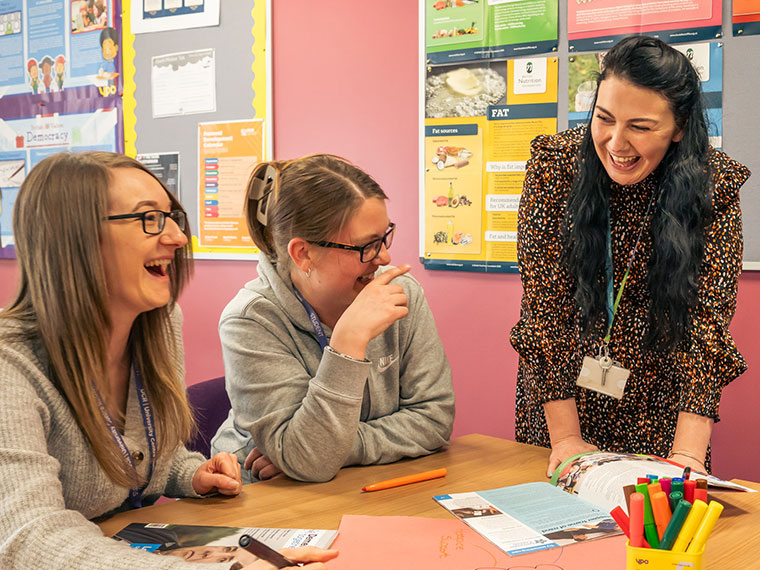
(260, 465)
(312, 557)
(221, 473)
(567, 447)
(379, 305)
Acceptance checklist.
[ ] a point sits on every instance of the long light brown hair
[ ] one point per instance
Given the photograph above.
(310, 197)
(62, 300)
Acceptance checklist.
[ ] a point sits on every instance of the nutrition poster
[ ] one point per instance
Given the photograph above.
(466, 30)
(480, 119)
(227, 154)
(706, 57)
(599, 24)
(746, 14)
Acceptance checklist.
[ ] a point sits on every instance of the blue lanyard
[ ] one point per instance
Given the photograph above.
(135, 494)
(613, 301)
(314, 318)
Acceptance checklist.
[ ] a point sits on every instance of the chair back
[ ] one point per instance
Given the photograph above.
(210, 406)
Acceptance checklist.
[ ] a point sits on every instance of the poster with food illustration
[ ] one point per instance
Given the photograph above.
(471, 30)
(480, 119)
(453, 187)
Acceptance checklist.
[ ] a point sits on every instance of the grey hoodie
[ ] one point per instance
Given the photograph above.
(311, 412)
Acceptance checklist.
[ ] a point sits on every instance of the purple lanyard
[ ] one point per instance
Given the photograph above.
(314, 318)
(135, 494)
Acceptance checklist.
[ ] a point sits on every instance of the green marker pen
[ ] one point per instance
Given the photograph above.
(675, 524)
(650, 530)
(675, 496)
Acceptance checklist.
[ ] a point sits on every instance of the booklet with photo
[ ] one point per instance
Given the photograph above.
(599, 477)
(217, 543)
(530, 517)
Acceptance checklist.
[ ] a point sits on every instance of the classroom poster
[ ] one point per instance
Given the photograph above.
(60, 87)
(163, 15)
(602, 23)
(25, 141)
(746, 17)
(183, 83)
(706, 57)
(463, 30)
(165, 167)
(227, 154)
(475, 151)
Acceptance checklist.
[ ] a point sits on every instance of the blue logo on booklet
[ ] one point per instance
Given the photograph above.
(441, 497)
(145, 546)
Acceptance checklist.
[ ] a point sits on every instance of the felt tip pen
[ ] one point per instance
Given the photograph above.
(674, 526)
(628, 490)
(689, 526)
(650, 531)
(705, 527)
(661, 512)
(700, 494)
(688, 490)
(665, 484)
(636, 521)
(621, 519)
(406, 480)
(676, 496)
(261, 550)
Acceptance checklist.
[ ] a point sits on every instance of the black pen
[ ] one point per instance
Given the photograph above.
(258, 548)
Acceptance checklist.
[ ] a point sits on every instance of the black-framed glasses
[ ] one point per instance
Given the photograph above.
(153, 221)
(368, 251)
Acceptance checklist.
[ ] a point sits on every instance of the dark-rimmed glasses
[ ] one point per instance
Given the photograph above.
(153, 221)
(368, 251)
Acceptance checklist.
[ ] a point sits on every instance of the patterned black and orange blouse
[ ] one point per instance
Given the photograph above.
(547, 337)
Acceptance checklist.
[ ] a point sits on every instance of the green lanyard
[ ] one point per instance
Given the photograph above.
(612, 307)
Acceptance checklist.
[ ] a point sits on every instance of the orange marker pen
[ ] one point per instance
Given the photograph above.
(661, 512)
(406, 480)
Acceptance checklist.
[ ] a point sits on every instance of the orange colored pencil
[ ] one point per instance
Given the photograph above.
(406, 480)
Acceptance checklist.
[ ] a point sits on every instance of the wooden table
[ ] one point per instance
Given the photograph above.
(475, 462)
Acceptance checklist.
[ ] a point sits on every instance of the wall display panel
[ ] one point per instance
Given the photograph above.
(602, 23)
(479, 121)
(243, 93)
(459, 30)
(746, 17)
(60, 88)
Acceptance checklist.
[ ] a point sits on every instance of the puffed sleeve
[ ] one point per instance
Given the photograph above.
(544, 337)
(713, 360)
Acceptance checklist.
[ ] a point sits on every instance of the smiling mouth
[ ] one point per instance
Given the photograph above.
(624, 162)
(158, 267)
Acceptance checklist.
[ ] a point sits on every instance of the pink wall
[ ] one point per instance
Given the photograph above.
(346, 82)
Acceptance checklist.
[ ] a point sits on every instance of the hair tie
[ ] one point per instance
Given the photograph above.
(262, 184)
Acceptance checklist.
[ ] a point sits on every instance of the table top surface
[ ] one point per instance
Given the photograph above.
(474, 463)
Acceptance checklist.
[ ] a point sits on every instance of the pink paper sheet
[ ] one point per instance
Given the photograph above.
(417, 543)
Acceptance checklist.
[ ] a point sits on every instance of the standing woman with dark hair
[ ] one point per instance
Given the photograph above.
(630, 248)
(94, 417)
(330, 359)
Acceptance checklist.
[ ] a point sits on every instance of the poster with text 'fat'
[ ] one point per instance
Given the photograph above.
(600, 24)
(475, 153)
(227, 154)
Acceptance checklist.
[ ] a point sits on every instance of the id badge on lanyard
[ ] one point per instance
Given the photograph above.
(601, 373)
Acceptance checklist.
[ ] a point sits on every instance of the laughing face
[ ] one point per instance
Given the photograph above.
(136, 263)
(339, 275)
(632, 129)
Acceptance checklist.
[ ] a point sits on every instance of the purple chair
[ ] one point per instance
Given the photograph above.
(210, 406)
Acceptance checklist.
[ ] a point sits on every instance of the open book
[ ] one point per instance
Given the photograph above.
(599, 477)
(217, 543)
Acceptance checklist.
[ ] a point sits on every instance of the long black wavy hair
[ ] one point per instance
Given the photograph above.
(683, 207)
